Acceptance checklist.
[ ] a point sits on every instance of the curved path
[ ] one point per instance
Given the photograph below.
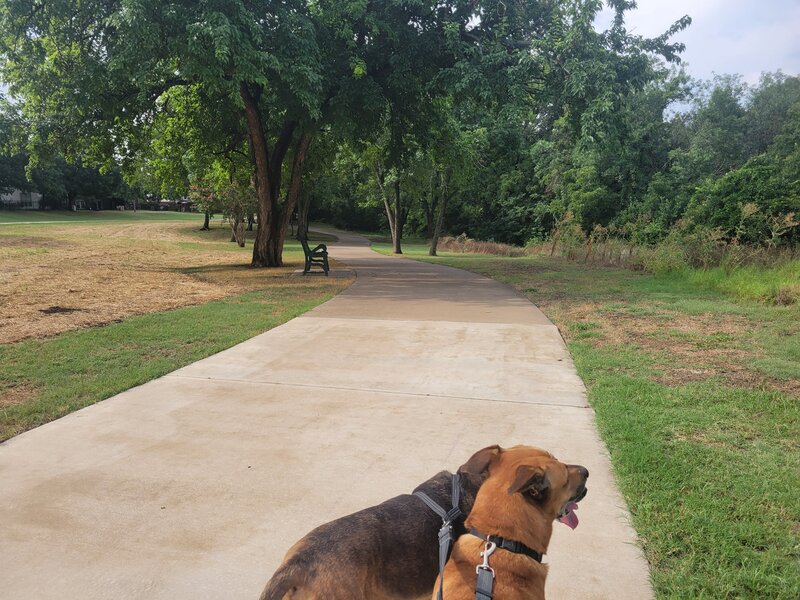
(195, 484)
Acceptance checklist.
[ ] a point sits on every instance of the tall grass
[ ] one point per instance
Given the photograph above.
(702, 259)
(465, 245)
(779, 284)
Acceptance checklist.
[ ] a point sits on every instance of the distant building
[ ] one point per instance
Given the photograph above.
(181, 205)
(21, 200)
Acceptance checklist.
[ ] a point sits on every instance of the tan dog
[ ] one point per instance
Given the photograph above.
(526, 490)
(389, 551)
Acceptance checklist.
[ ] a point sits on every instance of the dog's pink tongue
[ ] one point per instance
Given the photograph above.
(570, 519)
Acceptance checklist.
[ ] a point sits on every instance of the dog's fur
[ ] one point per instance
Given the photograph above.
(525, 492)
(389, 551)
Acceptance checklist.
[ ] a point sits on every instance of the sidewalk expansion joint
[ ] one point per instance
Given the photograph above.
(376, 391)
(310, 315)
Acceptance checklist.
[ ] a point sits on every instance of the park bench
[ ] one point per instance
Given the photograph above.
(314, 256)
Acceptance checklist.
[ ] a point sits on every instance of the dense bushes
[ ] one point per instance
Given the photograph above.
(730, 164)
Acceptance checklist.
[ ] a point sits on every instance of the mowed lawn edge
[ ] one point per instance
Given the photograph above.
(50, 378)
(707, 457)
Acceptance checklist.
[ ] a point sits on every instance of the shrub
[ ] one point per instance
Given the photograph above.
(666, 257)
(703, 247)
(567, 238)
(786, 295)
(465, 245)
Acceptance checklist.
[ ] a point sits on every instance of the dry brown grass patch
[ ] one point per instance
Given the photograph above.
(91, 275)
(463, 244)
(19, 394)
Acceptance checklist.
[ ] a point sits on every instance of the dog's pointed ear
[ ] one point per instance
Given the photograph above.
(530, 480)
(478, 464)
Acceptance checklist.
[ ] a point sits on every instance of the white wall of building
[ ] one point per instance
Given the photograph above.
(20, 199)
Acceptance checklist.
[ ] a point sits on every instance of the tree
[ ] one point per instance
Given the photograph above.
(758, 202)
(451, 160)
(258, 62)
(580, 130)
(767, 110)
(95, 75)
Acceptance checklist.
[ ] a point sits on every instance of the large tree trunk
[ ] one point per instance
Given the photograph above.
(399, 219)
(273, 219)
(260, 155)
(429, 207)
(304, 205)
(396, 213)
(444, 197)
(237, 231)
(387, 205)
(205, 226)
(283, 213)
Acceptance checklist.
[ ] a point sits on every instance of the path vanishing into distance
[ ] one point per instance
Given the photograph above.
(194, 485)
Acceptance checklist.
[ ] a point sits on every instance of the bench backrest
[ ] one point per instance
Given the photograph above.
(304, 242)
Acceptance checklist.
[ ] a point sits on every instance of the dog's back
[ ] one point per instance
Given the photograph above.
(388, 551)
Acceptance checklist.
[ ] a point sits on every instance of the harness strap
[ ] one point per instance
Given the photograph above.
(446, 533)
(510, 545)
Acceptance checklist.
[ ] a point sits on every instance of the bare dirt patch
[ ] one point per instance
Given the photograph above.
(94, 274)
(13, 241)
(58, 310)
(19, 394)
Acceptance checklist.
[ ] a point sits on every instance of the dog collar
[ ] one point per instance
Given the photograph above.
(510, 545)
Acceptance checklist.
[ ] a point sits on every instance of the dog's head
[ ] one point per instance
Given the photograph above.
(541, 479)
(535, 476)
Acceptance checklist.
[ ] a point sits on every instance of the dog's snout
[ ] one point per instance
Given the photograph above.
(582, 471)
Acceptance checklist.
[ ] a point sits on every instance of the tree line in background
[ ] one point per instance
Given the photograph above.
(60, 182)
(726, 165)
(508, 121)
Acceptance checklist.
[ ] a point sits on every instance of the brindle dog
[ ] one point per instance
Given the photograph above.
(389, 551)
(527, 489)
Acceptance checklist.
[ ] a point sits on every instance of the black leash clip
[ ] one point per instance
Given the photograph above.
(488, 550)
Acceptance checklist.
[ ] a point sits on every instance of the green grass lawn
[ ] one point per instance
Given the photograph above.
(93, 216)
(78, 368)
(696, 386)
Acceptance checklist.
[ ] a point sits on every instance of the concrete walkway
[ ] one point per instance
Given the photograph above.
(195, 484)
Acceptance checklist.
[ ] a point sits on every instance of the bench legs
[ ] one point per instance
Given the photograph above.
(316, 256)
(322, 261)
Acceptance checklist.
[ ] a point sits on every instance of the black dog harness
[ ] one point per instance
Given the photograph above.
(446, 533)
(485, 585)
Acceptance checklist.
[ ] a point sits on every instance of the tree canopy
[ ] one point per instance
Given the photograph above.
(498, 119)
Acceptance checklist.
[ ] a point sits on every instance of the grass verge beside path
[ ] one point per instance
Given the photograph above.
(697, 393)
(88, 310)
(46, 379)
